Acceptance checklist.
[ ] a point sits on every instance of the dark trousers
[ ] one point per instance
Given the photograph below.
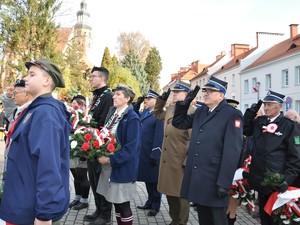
(179, 210)
(264, 217)
(212, 215)
(81, 182)
(102, 205)
(154, 197)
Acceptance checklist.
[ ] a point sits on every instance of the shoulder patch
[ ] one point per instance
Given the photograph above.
(297, 140)
(237, 124)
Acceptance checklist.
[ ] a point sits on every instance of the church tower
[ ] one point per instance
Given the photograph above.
(83, 30)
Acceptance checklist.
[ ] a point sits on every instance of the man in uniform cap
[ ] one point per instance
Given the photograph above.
(276, 147)
(214, 150)
(36, 189)
(151, 141)
(232, 102)
(173, 155)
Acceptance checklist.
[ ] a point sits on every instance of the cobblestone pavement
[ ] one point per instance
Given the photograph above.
(73, 217)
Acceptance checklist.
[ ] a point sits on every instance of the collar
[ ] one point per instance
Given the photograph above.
(99, 91)
(274, 118)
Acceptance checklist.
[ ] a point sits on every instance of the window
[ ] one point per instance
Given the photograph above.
(246, 86)
(268, 82)
(233, 80)
(297, 80)
(297, 106)
(254, 84)
(284, 78)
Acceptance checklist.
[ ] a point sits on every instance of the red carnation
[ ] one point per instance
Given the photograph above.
(110, 147)
(96, 144)
(88, 137)
(85, 146)
(75, 107)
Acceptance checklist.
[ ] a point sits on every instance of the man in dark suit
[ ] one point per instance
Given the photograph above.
(152, 137)
(213, 153)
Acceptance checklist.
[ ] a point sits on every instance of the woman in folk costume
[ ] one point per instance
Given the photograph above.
(117, 182)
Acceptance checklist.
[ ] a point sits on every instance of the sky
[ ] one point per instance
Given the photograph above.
(183, 31)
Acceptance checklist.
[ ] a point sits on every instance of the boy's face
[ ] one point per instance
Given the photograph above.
(36, 81)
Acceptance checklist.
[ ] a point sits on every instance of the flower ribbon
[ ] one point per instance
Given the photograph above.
(75, 120)
(271, 128)
(278, 199)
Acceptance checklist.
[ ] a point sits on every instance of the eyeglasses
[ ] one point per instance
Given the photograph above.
(16, 92)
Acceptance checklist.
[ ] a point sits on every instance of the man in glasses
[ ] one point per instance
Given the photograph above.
(214, 150)
(102, 101)
(36, 189)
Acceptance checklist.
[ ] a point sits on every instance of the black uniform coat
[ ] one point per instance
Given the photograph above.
(277, 152)
(213, 153)
(151, 141)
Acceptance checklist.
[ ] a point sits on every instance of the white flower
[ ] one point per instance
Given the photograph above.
(251, 192)
(282, 216)
(286, 221)
(73, 144)
(243, 195)
(297, 219)
(244, 203)
(236, 195)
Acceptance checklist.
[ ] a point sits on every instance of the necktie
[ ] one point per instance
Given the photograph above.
(112, 122)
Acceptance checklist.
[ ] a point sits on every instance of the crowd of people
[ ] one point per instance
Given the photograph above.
(186, 150)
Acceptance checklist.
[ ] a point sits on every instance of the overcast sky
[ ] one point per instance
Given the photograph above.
(184, 31)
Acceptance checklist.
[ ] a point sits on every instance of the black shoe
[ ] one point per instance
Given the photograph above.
(92, 217)
(101, 221)
(73, 203)
(152, 213)
(81, 205)
(144, 207)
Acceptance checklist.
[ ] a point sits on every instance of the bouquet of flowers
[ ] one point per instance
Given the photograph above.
(81, 117)
(92, 143)
(284, 208)
(240, 188)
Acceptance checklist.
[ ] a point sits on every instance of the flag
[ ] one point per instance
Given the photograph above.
(255, 89)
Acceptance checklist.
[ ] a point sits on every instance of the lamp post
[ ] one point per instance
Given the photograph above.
(257, 87)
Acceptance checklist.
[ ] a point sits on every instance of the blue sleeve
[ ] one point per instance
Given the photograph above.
(48, 143)
(129, 135)
(158, 139)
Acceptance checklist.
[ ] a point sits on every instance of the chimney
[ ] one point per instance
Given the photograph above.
(237, 49)
(220, 56)
(293, 30)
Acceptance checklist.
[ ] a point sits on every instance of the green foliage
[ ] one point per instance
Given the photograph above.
(121, 75)
(106, 59)
(153, 67)
(272, 179)
(136, 67)
(28, 31)
(75, 71)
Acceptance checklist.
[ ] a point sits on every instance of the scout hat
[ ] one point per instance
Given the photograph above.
(125, 88)
(152, 94)
(232, 102)
(273, 96)
(19, 83)
(50, 68)
(181, 87)
(216, 84)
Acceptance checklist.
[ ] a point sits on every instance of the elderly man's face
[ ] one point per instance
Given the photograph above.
(272, 109)
(212, 97)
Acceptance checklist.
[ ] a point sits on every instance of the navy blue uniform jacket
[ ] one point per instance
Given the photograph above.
(37, 176)
(213, 153)
(151, 141)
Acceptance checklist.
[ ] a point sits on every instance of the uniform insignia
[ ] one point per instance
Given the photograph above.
(27, 117)
(297, 140)
(237, 124)
(271, 128)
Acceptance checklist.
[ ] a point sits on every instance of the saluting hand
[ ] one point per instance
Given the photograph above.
(256, 106)
(190, 96)
(165, 95)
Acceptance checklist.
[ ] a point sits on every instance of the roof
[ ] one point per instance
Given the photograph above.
(282, 49)
(235, 61)
(63, 36)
